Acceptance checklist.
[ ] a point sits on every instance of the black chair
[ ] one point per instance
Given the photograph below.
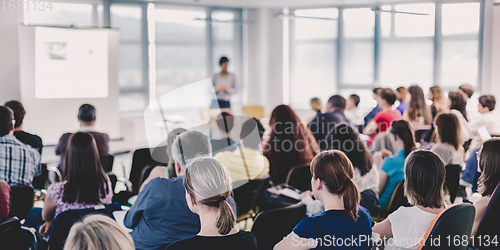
(422, 134)
(271, 226)
(40, 181)
(142, 158)
(246, 196)
(454, 221)
(488, 227)
(452, 180)
(21, 201)
(107, 162)
(10, 233)
(300, 177)
(65, 220)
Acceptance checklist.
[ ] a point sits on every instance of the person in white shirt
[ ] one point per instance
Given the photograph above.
(224, 85)
(424, 179)
(352, 112)
(487, 118)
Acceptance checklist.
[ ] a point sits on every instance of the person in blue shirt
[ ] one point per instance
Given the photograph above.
(344, 224)
(160, 215)
(374, 112)
(392, 166)
(402, 98)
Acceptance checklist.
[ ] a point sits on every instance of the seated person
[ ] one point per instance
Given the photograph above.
(98, 232)
(449, 146)
(22, 163)
(488, 118)
(208, 185)
(29, 139)
(352, 112)
(393, 166)
(489, 160)
(225, 122)
(384, 118)
(402, 93)
(424, 179)
(317, 107)
(334, 115)
(84, 184)
(247, 162)
(332, 184)
(376, 109)
(160, 215)
(86, 117)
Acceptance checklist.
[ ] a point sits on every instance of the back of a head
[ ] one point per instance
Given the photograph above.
(458, 102)
(377, 90)
(489, 162)
(448, 128)
(488, 101)
(389, 95)
(87, 113)
(424, 179)
(283, 114)
(209, 183)
(467, 89)
(337, 102)
(98, 232)
(355, 98)
(170, 141)
(403, 130)
(190, 145)
(401, 93)
(248, 134)
(418, 107)
(335, 170)
(437, 94)
(316, 104)
(6, 117)
(344, 138)
(225, 122)
(19, 111)
(86, 180)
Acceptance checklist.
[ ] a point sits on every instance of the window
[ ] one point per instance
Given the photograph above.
(61, 14)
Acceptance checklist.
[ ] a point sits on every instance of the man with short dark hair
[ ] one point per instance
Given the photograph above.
(19, 163)
(384, 118)
(86, 117)
(487, 118)
(322, 124)
(29, 139)
(352, 112)
(225, 122)
(376, 97)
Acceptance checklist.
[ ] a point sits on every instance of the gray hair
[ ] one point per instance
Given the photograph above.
(189, 146)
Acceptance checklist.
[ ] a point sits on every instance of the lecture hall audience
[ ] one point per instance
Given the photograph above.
(29, 139)
(290, 143)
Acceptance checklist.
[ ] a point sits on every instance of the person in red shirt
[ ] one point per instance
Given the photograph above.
(4, 200)
(384, 118)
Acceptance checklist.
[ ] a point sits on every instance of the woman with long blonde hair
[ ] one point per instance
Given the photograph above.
(436, 95)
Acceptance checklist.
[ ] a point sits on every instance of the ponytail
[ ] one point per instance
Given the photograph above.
(225, 217)
(351, 198)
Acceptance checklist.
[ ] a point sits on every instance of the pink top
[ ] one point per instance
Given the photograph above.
(4, 200)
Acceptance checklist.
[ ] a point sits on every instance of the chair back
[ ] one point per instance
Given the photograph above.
(271, 226)
(300, 177)
(398, 198)
(39, 182)
(142, 158)
(452, 180)
(246, 195)
(455, 220)
(10, 233)
(107, 162)
(256, 112)
(489, 225)
(65, 220)
(422, 134)
(21, 201)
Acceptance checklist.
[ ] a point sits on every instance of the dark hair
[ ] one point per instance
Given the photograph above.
(6, 117)
(223, 60)
(355, 98)
(424, 179)
(438, 100)
(402, 129)
(225, 122)
(287, 127)
(337, 101)
(458, 103)
(246, 130)
(86, 113)
(488, 101)
(356, 150)
(377, 90)
(19, 111)
(389, 95)
(336, 171)
(86, 180)
(467, 89)
(401, 93)
(448, 128)
(489, 162)
(417, 105)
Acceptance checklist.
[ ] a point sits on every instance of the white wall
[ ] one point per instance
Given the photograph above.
(9, 56)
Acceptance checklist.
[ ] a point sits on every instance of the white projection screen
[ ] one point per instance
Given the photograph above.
(71, 63)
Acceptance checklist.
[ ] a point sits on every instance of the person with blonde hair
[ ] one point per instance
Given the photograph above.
(436, 95)
(316, 104)
(208, 185)
(98, 232)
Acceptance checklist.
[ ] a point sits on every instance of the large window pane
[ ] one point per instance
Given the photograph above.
(461, 19)
(408, 25)
(130, 65)
(406, 63)
(312, 74)
(306, 28)
(386, 21)
(180, 25)
(63, 14)
(223, 36)
(460, 62)
(132, 102)
(223, 25)
(358, 63)
(128, 20)
(359, 23)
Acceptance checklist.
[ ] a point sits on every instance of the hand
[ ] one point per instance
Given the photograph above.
(386, 153)
(305, 194)
(45, 228)
(221, 89)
